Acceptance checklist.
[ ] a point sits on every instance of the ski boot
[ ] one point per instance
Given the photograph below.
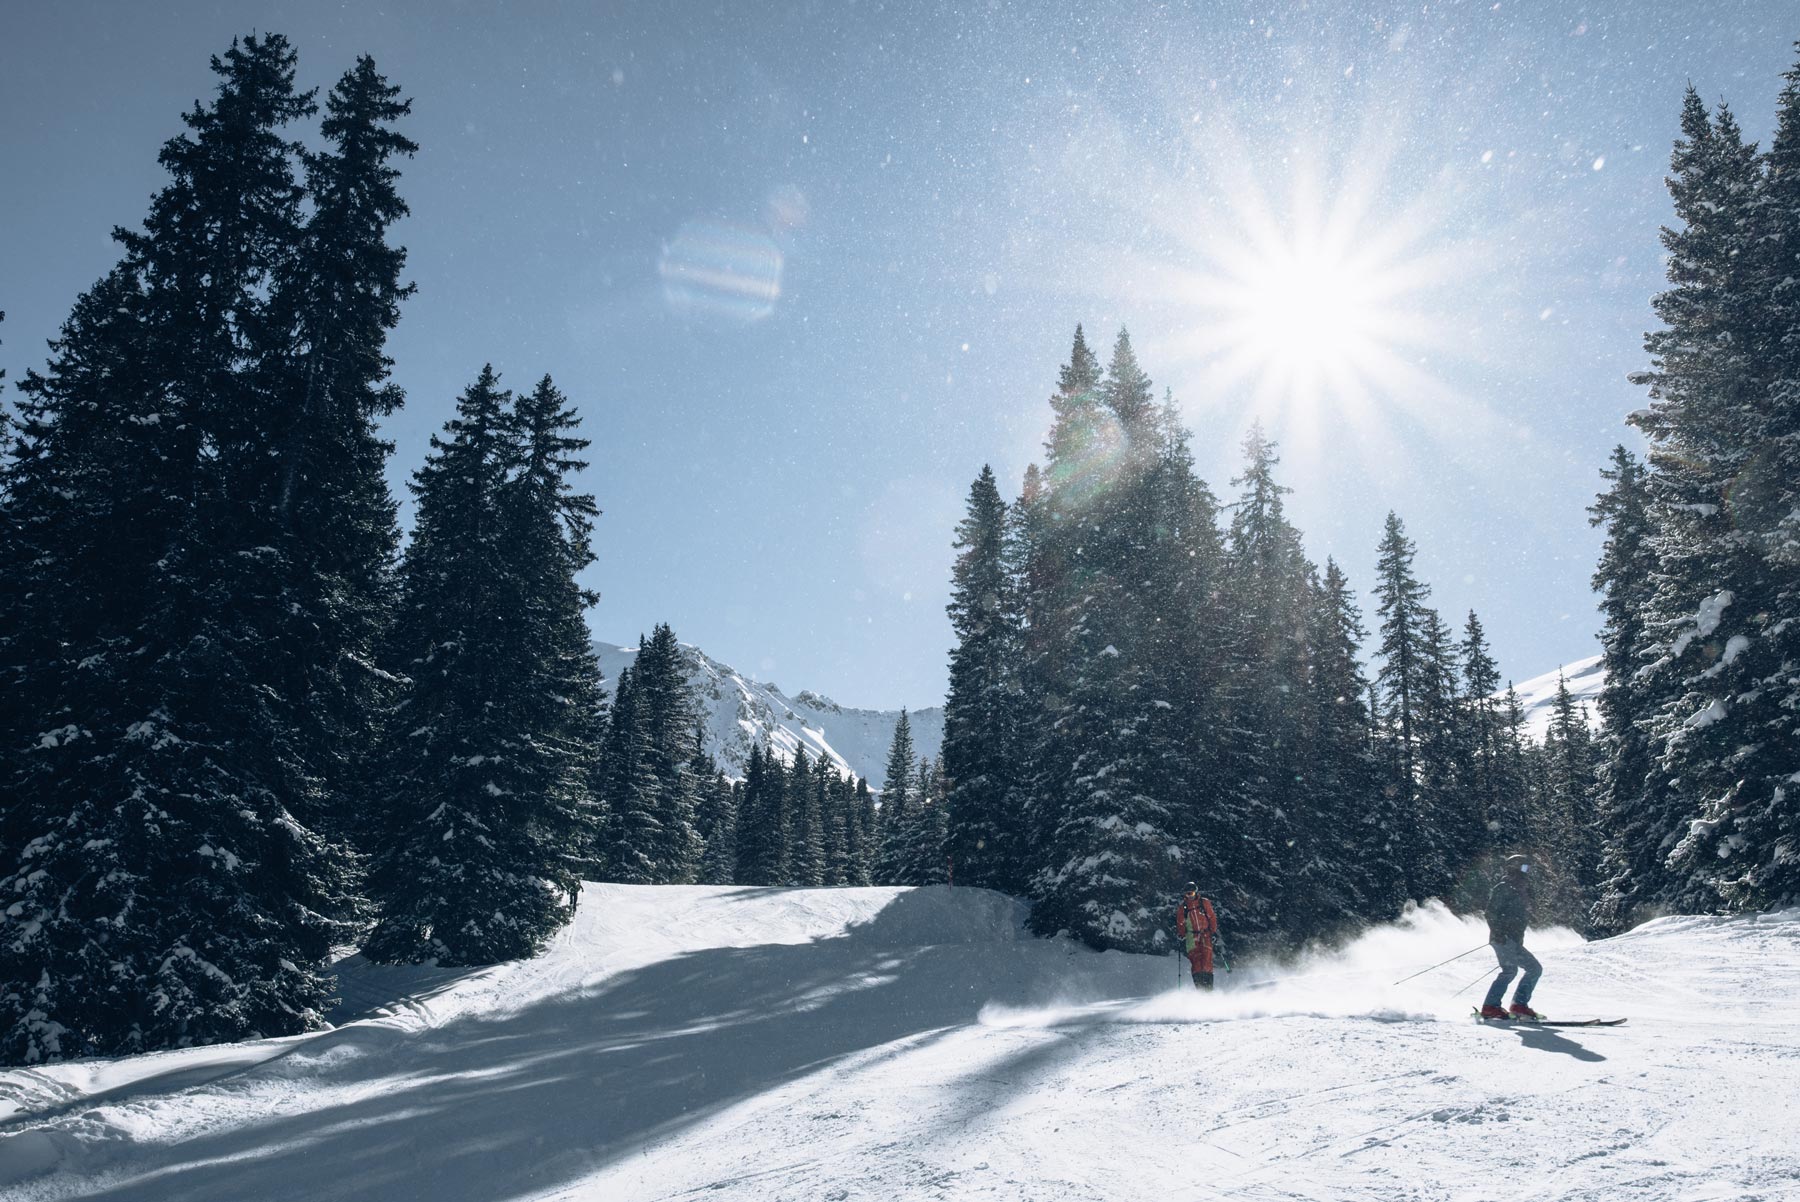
(1521, 1010)
(1492, 1012)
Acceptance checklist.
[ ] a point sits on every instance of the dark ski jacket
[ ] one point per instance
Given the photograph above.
(1506, 914)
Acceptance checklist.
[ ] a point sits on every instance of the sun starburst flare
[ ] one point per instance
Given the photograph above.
(1330, 290)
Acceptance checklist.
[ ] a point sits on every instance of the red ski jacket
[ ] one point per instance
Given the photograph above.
(1196, 923)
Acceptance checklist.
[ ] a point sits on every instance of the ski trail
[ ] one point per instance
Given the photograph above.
(761, 1045)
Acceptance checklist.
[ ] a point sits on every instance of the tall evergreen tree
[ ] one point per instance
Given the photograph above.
(324, 524)
(1401, 681)
(1263, 692)
(762, 822)
(1448, 828)
(1349, 869)
(891, 862)
(489, 767)
(201, 907)
(647, 779)
(1635, 835)
(1741, 749)
(1509, 823)
(986, 836)
(806, 837)
(839, 800)
(863, 835)
(1109, 853)
(716, 816)
(546, 539)
(1480, 720)
(1723, 739)
(1563, 822)
(928, 828)
(1183, 617)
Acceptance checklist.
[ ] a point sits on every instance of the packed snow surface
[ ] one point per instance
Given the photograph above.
(737, 712)
(887, 1044)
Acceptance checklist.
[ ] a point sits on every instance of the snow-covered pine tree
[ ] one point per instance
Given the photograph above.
(896, 807)
(1758, 844)
(1027, 573)
(651, 822)
(1265, 806)
(717, 820)
(762, 821)
(12, 578)
(200, 907)
(863, 835)
(1563, 819)
(927, 828)
(1509, 824)
(806, 836)
(324, 530)
(546, 541)
(1109, 857)
(985, 835)
(1182, 611)
(487, 799)
(1634, 839)
(1715, 602)
(1480, 722)
(1400, 597)
(629, 817)
(1348, 868)
(1449, 823)
(839, 803)
(1044, 554)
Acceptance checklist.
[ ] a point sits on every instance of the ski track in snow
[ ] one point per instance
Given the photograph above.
(762, 1044)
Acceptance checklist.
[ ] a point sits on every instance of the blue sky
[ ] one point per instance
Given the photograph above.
(807, 267)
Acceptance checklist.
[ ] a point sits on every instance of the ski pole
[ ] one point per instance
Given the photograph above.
(1441, 963)
(1478, 980)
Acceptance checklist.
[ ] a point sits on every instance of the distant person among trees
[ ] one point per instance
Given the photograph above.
(1508, 912)
(1197, 929)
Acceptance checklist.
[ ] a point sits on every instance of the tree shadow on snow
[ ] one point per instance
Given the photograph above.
(499, 1107)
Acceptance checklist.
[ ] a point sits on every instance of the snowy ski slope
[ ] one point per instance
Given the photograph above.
(761, 1044)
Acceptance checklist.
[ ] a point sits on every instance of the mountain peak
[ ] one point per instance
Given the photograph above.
(739, 712)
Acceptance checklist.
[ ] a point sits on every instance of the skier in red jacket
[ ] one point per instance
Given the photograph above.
(1196, 928)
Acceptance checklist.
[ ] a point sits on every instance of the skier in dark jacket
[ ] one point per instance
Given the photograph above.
(1508, 912)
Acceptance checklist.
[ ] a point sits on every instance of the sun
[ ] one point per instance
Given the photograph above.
(1307, 310)
(1325, 277)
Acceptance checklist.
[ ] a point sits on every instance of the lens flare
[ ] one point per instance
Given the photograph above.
(720, 269)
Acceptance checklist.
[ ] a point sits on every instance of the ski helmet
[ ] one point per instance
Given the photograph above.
(1192, 888)
(1518, 865)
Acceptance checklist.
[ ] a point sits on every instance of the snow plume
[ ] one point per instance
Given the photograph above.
(1365, 978)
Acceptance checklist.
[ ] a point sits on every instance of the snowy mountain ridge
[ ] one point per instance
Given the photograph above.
(1537, 696)
(739, 711)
